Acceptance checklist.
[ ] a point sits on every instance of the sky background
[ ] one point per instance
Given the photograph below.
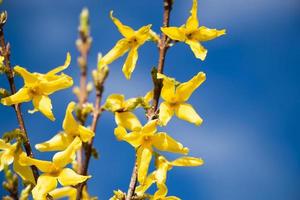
(250, 102)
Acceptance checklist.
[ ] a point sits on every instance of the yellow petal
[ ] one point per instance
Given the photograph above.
(60, 83)
(174, 33)
(185, 90)
(86, 134)
(171, 198)
(120, 132)
(61, 68)
(68, 177)
(150, 127)
(24, 172)
(126, 31)
(6, 158)
(143, 34)
(57, 143)
(61, 159)
(4, 145)
(23, 95)
(127, 120)
(114, 102)
(44, 166)
(70, 125)
(187, 162)
(165, 113)
(161, 192)
(45, 184)
(67, 191)
(141, 189)
(43, 104)
(168, 89)
(192, 21)
(161, 173)
(186, 112)
(133, 138)
(204, 34)
(29, 78)
(198, 50)
(144, 155)
(148, 97)
(130, 62)
(163, 142)
(117, 51)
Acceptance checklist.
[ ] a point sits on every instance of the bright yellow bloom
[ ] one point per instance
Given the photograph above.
(131, 42)
(55, 171)
(62, 192)
(121, 108)
(38, 87)
(192, 34)
(159, 176)
(10, 154)
(71, 129)
(144, 140)
(175, 95)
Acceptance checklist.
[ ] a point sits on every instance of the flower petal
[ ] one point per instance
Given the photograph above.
(130, 62)
(61, 68)
(128, 120)
(144, 155)
(117, 51)
(43, 104)
(161, 192)
(44, 166)
(59, 142)
(204, 34)
(68, 177)
(45, 184)
(61, 159)
(24, 172)
(126, 31)
(187, 162)
(141, 189)
(175, 33)
(198, 50)
(29, 78)
(114, 102)
(61, 82)
(133, 138)
(67, 191)
(85, 133)
(192, 21)
(168, 89)
(185, 90)
(70, 125)
(23, 95)
(150, 127)
(163, 142)
(165, 113)
(4, 145)
(186, 112)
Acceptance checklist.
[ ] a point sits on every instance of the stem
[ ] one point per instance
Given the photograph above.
(5, 50)
(163, 46)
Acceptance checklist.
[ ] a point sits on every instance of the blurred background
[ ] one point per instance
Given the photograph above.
(250, 102)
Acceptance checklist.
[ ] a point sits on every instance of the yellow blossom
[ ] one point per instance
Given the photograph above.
(144, 140)
(192, 34)
(159, 176)
(38, 87)
(71, 129)
(55, 171)
(67, 191)
(10, 154)
(131, 42)
(175, 95)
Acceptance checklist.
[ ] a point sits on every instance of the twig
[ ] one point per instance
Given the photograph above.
(163, 46)
(5, 51)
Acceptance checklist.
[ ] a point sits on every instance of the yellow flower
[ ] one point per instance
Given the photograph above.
(131, 42)
(10, 154)
(121, 108)
(69, 192)
(71, 128)
(192, 34)
(38, 87)
(144, 140)
(175, 95)
(55, 171)
(159, 176)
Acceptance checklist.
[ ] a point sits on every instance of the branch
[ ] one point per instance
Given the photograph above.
(163, 46)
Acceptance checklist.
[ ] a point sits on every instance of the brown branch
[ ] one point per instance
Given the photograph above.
(5, 51)
(163, 46)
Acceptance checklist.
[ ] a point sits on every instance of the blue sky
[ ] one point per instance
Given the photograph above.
(250, 138)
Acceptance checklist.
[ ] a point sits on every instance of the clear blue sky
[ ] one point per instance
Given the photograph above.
(250, 138)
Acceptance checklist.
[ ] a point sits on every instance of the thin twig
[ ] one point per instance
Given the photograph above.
(163, 46)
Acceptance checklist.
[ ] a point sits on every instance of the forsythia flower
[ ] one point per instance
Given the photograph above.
(175, 95)
(121, 108)
(71, 128)
(143, 140)
(192, 34)
(38, 87)
(55, 171)
(160, 175)
(131, 42)
(10, 154)
(68, 191)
